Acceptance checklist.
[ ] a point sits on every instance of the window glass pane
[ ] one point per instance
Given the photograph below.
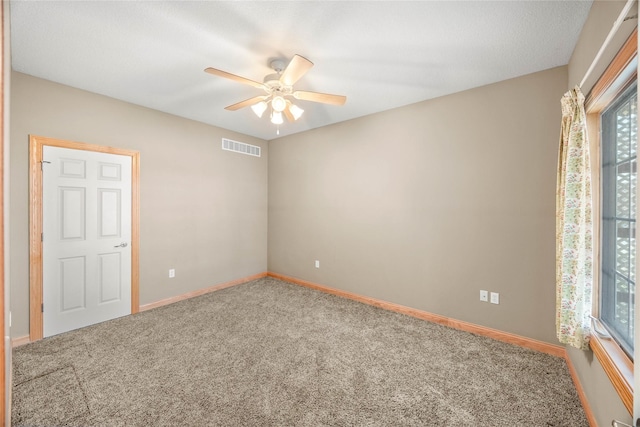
(622, 304)
(633, 181)
(623, 190)
(633, 131)
(632, 252)
(623, 131)
(632, 307)
(622, 248)
(619, 181)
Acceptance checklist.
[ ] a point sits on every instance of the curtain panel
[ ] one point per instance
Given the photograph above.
(574, 226)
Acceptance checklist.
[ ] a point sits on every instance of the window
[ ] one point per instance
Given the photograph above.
(612, 123)
(619, 124)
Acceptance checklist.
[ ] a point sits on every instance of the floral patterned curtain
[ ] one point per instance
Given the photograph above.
(574, 227)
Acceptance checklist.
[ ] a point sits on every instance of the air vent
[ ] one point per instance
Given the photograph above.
(240, 147)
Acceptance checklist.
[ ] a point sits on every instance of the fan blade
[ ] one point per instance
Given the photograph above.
(297, 68)
(324, 98)
(288, 114)
(238, 79)
(246, 103)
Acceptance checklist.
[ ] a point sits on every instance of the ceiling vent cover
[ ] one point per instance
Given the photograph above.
(240, 147)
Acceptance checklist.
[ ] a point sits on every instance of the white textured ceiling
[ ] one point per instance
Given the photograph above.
(381, 55)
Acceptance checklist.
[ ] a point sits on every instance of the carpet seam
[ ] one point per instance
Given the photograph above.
(84, 394)
(42, 375)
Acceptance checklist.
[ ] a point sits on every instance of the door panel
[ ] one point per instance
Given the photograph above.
(73, 213)
(110, 274)
(72, 283)
(72, 168)
(109, 212)
(109, 171)
(86, 208)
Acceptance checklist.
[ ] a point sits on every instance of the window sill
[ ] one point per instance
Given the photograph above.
(618, 367)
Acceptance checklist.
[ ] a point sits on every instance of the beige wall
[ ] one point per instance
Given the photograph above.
(428, 204)
(603, 398)
(203, 210)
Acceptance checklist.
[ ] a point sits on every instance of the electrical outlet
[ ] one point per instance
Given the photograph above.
(484, 296)
(495, 298)
(317, 264)
(172, 273)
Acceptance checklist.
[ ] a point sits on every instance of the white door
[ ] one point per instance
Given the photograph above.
(86, 249)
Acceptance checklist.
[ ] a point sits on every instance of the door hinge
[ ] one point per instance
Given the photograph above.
(42, 308)
(42, 162)
(42, 237)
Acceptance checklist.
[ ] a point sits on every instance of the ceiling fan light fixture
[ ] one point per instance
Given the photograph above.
(278, 104)
(278, 88)
(296, 111)
(276, 118)
(259, 108)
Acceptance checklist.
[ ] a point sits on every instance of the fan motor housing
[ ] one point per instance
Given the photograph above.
(272, 81)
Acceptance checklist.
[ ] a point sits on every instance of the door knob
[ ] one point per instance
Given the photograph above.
(121, 245)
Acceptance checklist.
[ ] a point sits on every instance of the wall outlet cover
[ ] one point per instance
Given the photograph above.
(495, 298)
(484, 296)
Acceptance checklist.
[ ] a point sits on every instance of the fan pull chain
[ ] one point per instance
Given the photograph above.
(278, 130)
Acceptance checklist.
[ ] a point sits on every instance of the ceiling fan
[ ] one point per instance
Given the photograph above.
(279, 90)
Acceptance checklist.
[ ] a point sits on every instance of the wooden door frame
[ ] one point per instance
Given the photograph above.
(36, 144)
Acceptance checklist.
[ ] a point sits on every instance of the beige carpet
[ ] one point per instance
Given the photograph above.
(269, 353)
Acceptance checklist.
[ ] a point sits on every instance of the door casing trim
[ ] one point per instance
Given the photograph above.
(35, 223)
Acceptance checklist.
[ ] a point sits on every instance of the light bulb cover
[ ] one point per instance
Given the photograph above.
(259, 108)
(296, 111)
(278, 104)
(276, 118)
